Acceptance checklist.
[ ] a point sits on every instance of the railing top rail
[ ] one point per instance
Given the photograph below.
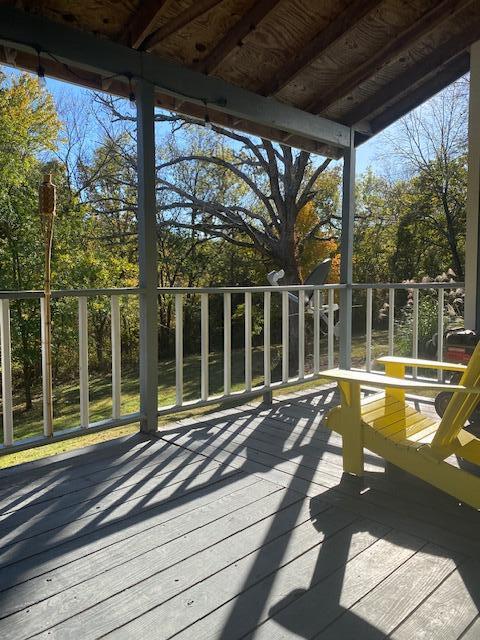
(408, 285)
(263, 289)
(68, 293)
(127, 291)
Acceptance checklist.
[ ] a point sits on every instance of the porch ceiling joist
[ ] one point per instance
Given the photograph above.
(233, 38)
(143, 22)
(83, 51)
(405, 39)
(318, 45)
(429, 66)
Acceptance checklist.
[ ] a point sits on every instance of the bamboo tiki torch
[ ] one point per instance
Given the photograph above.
(47, 200)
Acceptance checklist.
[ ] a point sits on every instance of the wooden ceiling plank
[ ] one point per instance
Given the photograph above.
(312, 50)
(399, 86)
(234, 37)
(452, 71)
(405, 39)
(143, 22)
(198, 8)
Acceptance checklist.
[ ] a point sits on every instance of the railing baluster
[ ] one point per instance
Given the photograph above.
(368, 357)
(83, 360)
(204, 345)
(179, 348)
(6, 347)
(285, 337)
(47, 426)
(415, 330)
(267, 374)
(116, 357)
(331, 327)
(227, 343)
(391, 321)
(316, 331)
(301, 335)
(441, 303)
(248, 341)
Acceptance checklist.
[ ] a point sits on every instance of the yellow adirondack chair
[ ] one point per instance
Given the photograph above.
(413, 441)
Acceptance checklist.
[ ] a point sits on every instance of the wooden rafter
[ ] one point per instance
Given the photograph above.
(453, 70)
(423, 69)
(345, 21)
(198, 8)
(143, 22)
(233, 38)
(405, 39)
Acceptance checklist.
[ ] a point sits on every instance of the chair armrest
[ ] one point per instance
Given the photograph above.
(422, 364)
(377, 380)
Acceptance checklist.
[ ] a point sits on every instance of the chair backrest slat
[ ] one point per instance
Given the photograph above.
(461, 405)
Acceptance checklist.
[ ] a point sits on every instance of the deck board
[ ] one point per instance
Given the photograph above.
(238, 524)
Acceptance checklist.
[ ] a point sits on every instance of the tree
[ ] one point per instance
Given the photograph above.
(222, 184)
(431, 142)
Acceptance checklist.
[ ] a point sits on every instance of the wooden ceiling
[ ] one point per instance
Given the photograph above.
(362, 63)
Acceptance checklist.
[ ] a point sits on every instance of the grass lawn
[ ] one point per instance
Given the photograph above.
(66, 396)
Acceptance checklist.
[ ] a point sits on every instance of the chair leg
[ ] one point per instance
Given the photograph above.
(353, 461)
(352, 430)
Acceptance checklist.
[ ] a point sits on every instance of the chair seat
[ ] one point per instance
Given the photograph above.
(397, 421)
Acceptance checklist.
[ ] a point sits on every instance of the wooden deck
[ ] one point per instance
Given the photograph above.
(238, 525)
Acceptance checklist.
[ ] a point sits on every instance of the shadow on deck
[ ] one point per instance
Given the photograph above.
(240, 524)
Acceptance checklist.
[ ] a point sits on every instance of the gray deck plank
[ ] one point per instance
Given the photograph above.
(320, 605)
(233, 602)
(448, 611)
(33, 589)
(392, 601)
(163, 515)
(151, 582)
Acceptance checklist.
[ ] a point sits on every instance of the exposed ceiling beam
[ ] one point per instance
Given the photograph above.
(424, 68)
(453, 70)
(143, 22)
(312, 50)
(79, 52)
(234, 37)
(405, 39)
(198, 8)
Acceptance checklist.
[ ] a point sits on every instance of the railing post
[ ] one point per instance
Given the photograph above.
(6, 362)
(346, 253)
(83, 361)
(147, 256)
(267, 373)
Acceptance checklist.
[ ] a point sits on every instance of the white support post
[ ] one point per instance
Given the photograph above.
(391, 321)
(368, 358)
(83, 361)
(248, 341)
(285, 338)
(267, 373)
(6, 362)
(204, 345)
(116, 356)
(301, 335)
(179, 348)
(316, 331)
(472, 244)
(147, 255)
(330, 330)
(227, 343)
(346, 252)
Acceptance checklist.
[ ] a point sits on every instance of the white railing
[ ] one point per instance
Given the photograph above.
(312, 311)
